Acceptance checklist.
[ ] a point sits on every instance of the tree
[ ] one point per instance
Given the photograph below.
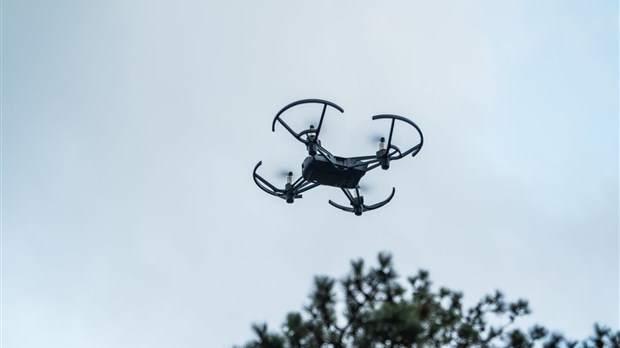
(377, 311)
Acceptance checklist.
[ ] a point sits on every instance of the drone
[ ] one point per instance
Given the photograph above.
(320, 167)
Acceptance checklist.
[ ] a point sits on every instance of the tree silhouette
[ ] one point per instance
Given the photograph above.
(374, 310)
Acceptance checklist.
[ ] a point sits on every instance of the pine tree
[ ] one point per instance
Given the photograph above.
(379, 312)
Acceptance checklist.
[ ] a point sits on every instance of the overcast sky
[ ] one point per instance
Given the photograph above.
(130, 130)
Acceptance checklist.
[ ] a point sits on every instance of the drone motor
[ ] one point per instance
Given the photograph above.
(382, 155)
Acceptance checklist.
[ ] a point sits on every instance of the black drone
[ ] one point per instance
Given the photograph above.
(323, 168)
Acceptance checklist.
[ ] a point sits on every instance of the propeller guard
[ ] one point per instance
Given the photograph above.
(357, 203)
(311, 133)
(290, 192)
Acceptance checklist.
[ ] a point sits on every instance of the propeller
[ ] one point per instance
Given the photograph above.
(365, 188)
(281, 176)
(375, 138)
(377, 141)
(309, 119)
(283, 173)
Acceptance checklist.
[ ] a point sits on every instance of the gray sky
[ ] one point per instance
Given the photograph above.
(130, 130)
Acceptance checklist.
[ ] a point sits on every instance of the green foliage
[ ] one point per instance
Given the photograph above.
(378, 312)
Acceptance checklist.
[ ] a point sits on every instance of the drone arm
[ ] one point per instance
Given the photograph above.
(375, 162)
(302, 185)
(326, 154)
(307, 187)
(324, 151)
(297, 182)
(382, 203)
(348, 194)
(362, 158)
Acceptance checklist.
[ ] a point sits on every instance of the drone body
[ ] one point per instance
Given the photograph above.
(334, 171)
(323, 168)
